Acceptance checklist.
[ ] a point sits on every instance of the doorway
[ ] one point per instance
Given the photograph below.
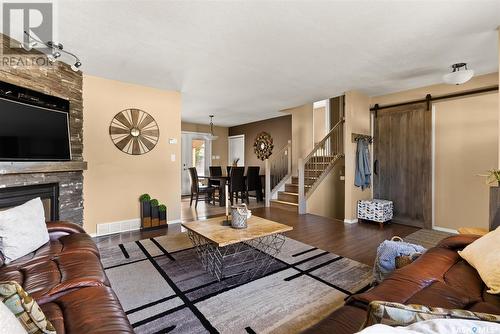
(236, 150)
(195, 152)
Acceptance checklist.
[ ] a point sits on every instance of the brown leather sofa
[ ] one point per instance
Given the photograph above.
(438, 278)
(68, 281)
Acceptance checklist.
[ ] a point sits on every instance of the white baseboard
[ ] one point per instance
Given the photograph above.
(118, 226)
(445, 229)
(175, 221)
(350, 221)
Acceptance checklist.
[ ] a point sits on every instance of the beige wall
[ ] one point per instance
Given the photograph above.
(302, 133)
(114, 180)
(320, 126)
(219, 146)
(466, 139)
(466, 145)
(327, 199)
(357, 120)
(280, 129)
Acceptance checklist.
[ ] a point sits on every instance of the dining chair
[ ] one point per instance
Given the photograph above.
(237, 183)
(216, 184)
(196, 189)
(253, 183)
(228, 170)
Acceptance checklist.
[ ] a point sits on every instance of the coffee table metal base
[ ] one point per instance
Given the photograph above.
(242, 261)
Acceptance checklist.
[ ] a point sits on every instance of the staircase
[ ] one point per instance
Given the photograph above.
(312, 170)
(289, 199)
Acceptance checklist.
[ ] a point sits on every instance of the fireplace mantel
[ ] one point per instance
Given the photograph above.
(30, 167)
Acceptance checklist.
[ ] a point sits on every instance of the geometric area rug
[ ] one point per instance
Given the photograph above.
(164, 289)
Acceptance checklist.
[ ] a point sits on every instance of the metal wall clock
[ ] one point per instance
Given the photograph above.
(134, 131)
(263, 146)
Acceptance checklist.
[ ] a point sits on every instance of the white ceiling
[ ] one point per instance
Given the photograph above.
(245, 60)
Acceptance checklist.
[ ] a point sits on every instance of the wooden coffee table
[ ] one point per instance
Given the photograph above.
(241, 253)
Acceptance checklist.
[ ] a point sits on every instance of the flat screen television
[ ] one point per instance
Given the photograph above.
(33, 133)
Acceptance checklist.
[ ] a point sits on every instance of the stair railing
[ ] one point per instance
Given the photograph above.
(316, 166)
(278, 170)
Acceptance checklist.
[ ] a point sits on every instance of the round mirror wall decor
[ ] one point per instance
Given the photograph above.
(134, 131)
(263, 146)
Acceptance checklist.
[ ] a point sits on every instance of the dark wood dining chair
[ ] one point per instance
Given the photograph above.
(216, 184)
(197, 190)
(228, 170)
(237, 183)
(215, 171)
(253, 183)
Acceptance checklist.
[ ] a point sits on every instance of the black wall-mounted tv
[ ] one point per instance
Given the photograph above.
(30, 132)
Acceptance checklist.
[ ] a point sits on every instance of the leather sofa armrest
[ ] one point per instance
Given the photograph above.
(58, 229)
(458, 242)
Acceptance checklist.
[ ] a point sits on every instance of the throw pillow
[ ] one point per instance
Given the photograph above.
(22, 230)
(9, 323)
(25, 308)
(484, 255)
(395, 314)
(437, 326)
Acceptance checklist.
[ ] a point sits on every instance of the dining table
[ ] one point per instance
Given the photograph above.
(226, 179)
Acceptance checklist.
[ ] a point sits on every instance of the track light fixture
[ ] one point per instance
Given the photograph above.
(56, 51)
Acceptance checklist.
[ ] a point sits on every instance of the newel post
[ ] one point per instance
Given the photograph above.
(267, 182)
(302, 199)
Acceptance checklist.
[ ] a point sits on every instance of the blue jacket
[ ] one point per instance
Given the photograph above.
(363, 171)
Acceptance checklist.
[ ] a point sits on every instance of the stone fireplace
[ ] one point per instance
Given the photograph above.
(62, 181)
(61, 192)
(48, 193)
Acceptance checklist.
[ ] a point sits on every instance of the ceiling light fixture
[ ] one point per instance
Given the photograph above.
(56, 51)
(212, 136)
(459, 75)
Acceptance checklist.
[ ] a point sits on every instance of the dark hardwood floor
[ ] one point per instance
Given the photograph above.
(356, 241)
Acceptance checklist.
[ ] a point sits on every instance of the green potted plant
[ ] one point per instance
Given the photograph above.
(145, 199)
(162, 211)
(493, 177)
(155, 218)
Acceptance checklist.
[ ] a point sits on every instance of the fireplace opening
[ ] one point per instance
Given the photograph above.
(49, 194)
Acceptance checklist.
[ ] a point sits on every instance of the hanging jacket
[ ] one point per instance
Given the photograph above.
(362, 177)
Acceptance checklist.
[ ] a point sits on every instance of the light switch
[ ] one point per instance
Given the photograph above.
(172, 141)
(172, 157)
(342, 178)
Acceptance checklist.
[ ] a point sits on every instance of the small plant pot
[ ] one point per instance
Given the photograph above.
(145, 214)
(163, 217)
(155, 216)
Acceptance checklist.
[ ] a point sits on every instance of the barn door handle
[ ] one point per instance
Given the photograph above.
(376, 167)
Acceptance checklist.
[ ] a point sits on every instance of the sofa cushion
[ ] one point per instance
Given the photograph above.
(45, 280)
(345, 320)
(25, 308)
(484, 255)
(71, 243)
(88, 310)
(22, 230)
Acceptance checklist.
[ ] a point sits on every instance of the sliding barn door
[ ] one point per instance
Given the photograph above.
(403, 162)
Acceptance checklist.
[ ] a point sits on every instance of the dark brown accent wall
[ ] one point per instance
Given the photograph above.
(57, 80)
(280, 129)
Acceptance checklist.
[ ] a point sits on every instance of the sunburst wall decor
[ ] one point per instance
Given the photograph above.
(263, 146)
(134, 131)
